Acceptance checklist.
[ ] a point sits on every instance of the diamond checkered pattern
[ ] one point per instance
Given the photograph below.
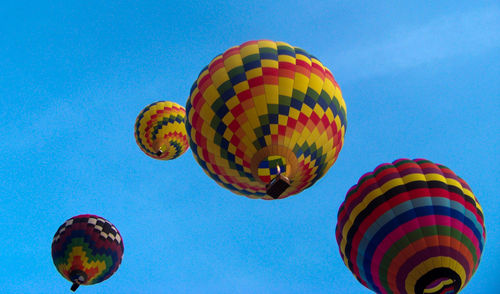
(261, 100)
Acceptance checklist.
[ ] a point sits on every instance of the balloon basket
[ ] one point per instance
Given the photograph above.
(277, 186)
(74, 287)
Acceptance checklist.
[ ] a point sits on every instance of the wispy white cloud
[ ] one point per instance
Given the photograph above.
(452, 35)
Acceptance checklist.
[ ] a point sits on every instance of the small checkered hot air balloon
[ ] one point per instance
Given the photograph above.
(87, 249)
(160, 131)
(411, 227)
(266, 119)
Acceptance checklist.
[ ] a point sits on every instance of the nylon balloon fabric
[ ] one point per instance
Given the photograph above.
(160, 131)
(411, 227)
(261, 109)
(87, 249)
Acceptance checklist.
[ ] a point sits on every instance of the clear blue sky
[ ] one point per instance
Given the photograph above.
(419, 82)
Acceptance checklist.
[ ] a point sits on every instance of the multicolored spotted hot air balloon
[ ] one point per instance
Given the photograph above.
(411, 227)
(160, 131)
(266, 119)
(87, 249)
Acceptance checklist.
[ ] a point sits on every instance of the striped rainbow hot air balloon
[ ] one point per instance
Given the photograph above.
(265, 110)
(160, 131)
(87, 249)
(411, 227)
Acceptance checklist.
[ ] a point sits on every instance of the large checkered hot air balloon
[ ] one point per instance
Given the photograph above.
(87, 249)
(411, 227)
(160, 131)
(266, 119)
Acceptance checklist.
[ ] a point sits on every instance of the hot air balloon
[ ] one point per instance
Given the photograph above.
(265, 119)
(87, 249)
(411, 227)
(160, 131)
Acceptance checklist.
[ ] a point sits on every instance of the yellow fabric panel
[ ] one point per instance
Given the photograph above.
(253, 73)
(301, 82)
(282, 120)
(210, 94)
(307, 160)
(249, 50)
(227, 135)
(206, 112)
(413, 177)
(268, 140)
(294, 113)
(286, 58)
(254, 121)
(327, 143)
(393, 183)
(239, 161)
(453, 182)
(100, 265)
(316, 82)
(331, 117)
(306, 110)
(267, 43)
(319, 111)
(316, 138)
(340, 99)
(233, 101)
(228, 118)
(338, 123)
(302, 57)
(260, 105)
(232, 62)
(435, 177)
(219, 77)
(240, 87)
(269, 63)
(274, 129)
(272, 93)
(285, 86)
(303, 136)
(329, 87)
(330, 156)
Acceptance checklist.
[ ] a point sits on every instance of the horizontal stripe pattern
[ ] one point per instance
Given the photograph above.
(405, 219)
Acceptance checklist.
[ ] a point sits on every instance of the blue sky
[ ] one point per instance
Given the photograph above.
(419, 82)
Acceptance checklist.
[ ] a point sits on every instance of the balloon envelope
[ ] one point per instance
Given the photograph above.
(262, 109)
(160, 131)
(87, 249)
(411, 227)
